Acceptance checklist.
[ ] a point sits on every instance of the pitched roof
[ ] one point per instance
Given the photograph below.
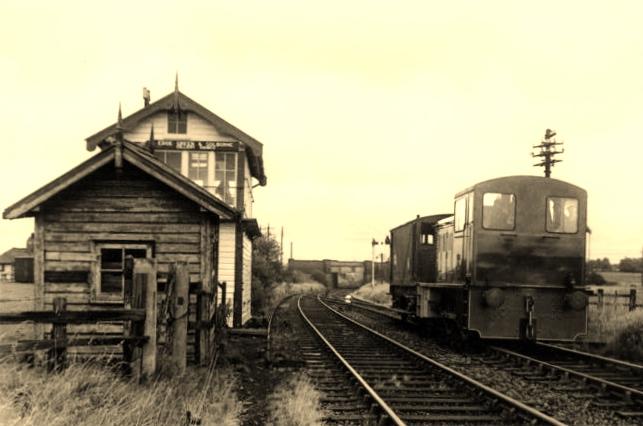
(166, 103)
(139, 158)
(10, 255)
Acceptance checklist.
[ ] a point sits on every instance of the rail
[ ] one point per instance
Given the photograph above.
(486, 389)
(385, 407)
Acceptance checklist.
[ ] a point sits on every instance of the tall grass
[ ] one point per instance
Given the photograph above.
(379, 293)
(296, 402)
(91, 394)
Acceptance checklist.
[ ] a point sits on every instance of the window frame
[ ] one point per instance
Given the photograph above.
(165, 153)
(177, 122)
(515, 209)
(99, 296)
(462, 198)
(232, 189)
(547, 214)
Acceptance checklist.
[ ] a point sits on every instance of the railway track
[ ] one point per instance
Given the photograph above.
(608, 383)
(612, 383)
(404, 386)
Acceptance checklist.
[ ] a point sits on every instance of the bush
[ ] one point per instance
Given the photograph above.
(319, 276)
(595, 278)
(267, 270)
(377, 294)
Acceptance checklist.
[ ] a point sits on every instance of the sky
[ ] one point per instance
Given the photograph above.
(370, 112)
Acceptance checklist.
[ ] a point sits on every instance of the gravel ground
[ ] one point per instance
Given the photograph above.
(564, 406)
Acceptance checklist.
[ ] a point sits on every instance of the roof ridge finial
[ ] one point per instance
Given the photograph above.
(151, 143)
(119, 120)
(175, 103)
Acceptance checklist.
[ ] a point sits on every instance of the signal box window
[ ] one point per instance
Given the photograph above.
(562, 215)
(111, 274)
(198, 167)
(177, 122)
(498, 211)
(171, 158)
(225, 176)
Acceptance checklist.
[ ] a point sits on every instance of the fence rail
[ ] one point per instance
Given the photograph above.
(144, 310)
(600, 299)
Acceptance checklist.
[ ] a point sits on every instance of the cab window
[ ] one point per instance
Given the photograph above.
(498, 211)
(460, 213)
(562, 215)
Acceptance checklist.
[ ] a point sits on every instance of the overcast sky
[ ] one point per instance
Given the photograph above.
(370, 112)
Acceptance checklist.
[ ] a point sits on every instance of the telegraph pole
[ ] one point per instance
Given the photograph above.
(547, 152)
(281, 247)
(373, 244)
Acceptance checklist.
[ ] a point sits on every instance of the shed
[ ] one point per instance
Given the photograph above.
(122, 201)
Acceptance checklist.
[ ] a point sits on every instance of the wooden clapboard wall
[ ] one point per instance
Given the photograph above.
(116, 206)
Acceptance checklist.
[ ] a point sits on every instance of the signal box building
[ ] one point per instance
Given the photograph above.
(173, 182)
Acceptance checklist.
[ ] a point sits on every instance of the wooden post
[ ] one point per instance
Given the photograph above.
(58, 355)
(144, 296)
(197, 329)
(180, 302)
(632, 304)
(601, 298)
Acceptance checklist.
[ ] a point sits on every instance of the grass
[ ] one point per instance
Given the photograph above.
(614, 324)
(280, 291)
(89, 394)
(296, 403)
(14, 298)
(378, 293)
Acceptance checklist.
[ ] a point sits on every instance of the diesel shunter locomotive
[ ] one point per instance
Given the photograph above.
(507, 264)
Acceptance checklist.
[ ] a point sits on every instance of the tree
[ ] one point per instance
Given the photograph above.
(599, 265)
(631, 264)
(266, 270)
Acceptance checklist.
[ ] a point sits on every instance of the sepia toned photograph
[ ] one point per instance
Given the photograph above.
(289, 213)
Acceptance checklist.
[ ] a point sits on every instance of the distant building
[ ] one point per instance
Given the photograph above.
(8, 262)
(340, 273)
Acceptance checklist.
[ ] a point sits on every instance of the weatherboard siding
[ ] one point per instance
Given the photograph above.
(129, 207)
(198, 129)
(247, 279)
(227, 261)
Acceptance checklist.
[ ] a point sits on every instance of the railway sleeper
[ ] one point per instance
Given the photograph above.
(630, 414)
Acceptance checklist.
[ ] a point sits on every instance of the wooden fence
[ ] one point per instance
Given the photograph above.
(601, 299)
(169, 310)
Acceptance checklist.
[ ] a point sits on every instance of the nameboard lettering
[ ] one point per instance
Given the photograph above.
(194, 145)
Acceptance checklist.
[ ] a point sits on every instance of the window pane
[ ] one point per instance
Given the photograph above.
(198, 167)
(111, 282)
(173, 159)
(171, 122)
(111, 259)
(498, 211)
(182, 125)
(460, 211)
(136, 253)
(226, 176)
(562, 215)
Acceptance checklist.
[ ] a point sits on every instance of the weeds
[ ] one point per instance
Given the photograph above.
(91, 394)
(296, 403)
